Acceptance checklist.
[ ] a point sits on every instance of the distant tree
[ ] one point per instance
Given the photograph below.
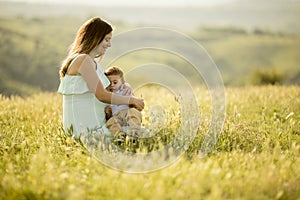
(266, 76)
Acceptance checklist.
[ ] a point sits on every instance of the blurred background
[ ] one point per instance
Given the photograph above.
(253, 42)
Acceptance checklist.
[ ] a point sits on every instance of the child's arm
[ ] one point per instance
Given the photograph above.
(127, 89)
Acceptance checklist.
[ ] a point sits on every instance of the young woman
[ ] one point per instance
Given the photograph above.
(83, 81)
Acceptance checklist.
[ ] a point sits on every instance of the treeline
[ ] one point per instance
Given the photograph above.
(32, 50)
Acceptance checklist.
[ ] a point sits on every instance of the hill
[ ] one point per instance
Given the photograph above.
(35, 37)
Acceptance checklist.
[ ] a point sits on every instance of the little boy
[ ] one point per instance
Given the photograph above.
(120, 115)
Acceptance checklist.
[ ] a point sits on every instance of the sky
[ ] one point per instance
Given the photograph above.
(137, 2)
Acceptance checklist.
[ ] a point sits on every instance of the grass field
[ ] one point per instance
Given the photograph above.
(256, 157)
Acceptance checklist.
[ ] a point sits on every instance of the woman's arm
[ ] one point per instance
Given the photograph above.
(88, 72)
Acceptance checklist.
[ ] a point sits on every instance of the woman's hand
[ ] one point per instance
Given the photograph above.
(137, 103)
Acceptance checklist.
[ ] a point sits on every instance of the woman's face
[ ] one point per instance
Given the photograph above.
(101, 48)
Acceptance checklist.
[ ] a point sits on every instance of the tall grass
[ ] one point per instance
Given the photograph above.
(256, 156)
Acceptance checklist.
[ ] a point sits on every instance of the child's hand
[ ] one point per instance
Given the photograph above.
(127, 89)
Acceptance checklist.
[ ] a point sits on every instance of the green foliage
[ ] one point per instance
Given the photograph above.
(235, 55)
(266, 76)
(32, 50)
(256, 157)
(34, 39)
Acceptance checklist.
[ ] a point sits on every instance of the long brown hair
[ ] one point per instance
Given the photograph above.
(89, 35)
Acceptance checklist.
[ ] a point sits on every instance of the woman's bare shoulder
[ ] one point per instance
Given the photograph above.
(82, 60)
(84, 57)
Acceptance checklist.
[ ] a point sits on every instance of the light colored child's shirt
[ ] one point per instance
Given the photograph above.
(117, 108)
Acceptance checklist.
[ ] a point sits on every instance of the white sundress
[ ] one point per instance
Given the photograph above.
(82, 111)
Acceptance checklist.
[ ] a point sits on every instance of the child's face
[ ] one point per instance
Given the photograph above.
(115, 82)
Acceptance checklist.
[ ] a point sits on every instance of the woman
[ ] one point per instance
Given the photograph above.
(83, 81)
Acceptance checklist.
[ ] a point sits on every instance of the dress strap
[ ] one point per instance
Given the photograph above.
(70, 65)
